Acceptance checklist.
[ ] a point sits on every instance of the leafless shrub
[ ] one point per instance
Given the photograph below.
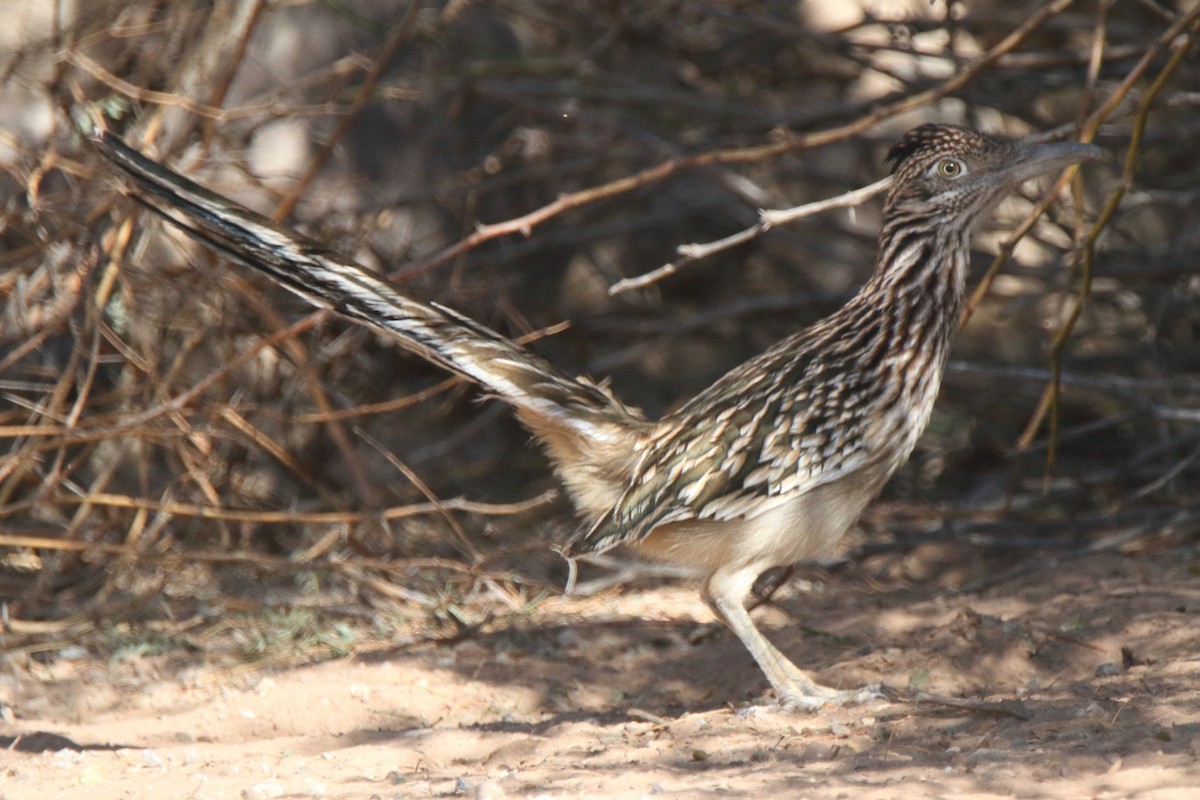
(177, 434)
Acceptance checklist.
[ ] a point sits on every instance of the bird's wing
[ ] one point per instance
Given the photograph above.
(769, 429)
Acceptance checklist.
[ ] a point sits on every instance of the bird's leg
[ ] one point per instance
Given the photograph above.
(725, 592)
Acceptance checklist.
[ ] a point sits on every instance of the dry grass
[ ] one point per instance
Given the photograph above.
(182, 442)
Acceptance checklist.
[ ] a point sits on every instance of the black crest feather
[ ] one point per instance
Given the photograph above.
(921, 137)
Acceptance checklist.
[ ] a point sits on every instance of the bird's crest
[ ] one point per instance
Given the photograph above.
(933, 137)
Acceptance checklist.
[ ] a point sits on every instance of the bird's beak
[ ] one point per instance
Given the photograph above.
(1033, 160)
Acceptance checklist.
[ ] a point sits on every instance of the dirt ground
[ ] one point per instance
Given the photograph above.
(1068, 677)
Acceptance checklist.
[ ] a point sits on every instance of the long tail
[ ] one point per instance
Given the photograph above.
(574, 418)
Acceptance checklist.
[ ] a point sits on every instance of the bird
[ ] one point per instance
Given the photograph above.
(770, 465)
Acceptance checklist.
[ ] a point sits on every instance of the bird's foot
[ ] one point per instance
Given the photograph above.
(813, 696)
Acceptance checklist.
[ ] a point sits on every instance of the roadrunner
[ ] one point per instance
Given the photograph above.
(769, 465)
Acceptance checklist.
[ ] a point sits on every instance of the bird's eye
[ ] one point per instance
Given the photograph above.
(950, 168)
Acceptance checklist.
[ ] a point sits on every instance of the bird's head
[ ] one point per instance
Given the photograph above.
(955, 176)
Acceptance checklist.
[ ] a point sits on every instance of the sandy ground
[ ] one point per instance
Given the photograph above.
(1069, 678)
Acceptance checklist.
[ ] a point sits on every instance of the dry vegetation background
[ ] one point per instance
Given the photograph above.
(193, 463)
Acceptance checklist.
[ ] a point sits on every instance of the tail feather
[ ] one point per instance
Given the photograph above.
(570, 415)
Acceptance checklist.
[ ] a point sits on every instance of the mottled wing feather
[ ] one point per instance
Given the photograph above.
(778, 424)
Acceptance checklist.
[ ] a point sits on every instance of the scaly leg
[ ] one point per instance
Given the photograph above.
(725, 592)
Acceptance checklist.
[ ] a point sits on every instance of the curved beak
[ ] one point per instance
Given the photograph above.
(1032, 160)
